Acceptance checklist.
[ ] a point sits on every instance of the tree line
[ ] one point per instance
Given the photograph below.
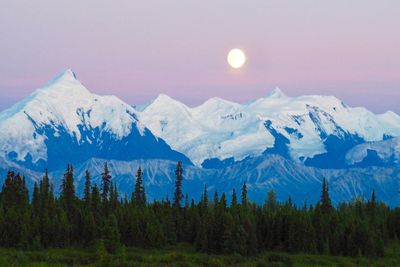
(103, 218)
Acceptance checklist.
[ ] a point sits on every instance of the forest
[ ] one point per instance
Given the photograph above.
(104, 219)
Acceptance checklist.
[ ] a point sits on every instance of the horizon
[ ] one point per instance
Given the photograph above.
(138, 106)
(139, 50)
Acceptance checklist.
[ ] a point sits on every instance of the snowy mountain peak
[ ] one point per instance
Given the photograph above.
(62, 106)
(276, 93)
(65, 76)
(300, 127)
(63, 122)
(163, 103)
(164, 98)
(216, 104)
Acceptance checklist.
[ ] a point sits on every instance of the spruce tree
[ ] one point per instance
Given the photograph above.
(139, 194)
(271, 201)
(216, 199)
(111, 234)
(106, 181)
(89, 230)
(68, 191)
(14, 200)
(35, 200)
(86, 192)
(44, 191)
(234, 198)
(240, 241)
(326, 205)
(252, 246)
(202, 238)
(227, 237)
(372, 206)
(204, 198)
(114, 199)
(171, 229)
(96, 203)
(244, 195)
(186, 201)
(351, 229)
(373, 198)
(223, 202)
(178, 195)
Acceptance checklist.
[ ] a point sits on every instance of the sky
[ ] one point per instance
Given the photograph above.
(139, 49)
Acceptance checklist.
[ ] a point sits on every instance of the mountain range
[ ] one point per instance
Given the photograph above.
(276, 142)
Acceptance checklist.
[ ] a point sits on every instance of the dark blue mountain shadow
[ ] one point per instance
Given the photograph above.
(62, 147)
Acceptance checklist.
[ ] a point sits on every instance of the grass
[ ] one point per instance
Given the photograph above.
(185, 255)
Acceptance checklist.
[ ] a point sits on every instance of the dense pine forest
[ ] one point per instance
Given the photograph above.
(104, 219)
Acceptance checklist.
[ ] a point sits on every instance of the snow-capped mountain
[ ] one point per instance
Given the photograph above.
(265, 143)
(315, 130)
(63, 122)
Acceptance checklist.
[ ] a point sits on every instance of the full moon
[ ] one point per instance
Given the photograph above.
(236, 58)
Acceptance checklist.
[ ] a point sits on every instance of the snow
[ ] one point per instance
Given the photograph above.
(62, 102)
(386, 150)
(215, 129)
(223, 129)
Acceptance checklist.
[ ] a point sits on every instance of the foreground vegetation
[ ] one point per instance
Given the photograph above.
(185, 255)
(240, 230)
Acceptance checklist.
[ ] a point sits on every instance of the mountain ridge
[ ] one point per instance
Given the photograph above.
(307, 125)
(275, 142)
(63, 115)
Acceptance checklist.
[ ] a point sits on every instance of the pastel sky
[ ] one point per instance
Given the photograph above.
(138, 49)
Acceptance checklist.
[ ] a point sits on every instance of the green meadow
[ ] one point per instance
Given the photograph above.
(185, 255)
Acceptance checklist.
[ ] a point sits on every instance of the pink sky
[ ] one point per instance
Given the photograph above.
(136, 50)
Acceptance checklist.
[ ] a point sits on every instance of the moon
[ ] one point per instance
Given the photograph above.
(236, 58)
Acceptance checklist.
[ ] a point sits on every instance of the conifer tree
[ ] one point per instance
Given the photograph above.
(111, 235)
(106, 181)
(204, 198)
(372, 209)
(251, 238)
(114, 199)
(96, 203)
(44, 191)
(227, 238)
(178, 195)
(234, 198)
(223, 202)
(86, 193)
(351, 229)
(373, 203)
(139, 194)
(35, 199)
(240, 241)
(216, 199)
(171, 229)
(89, 228)
(111, 196)
(244, 194)
(68, 191)
(202, 236)
(326, 205)
(186, 201)
(14, 201)
(271, 201)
